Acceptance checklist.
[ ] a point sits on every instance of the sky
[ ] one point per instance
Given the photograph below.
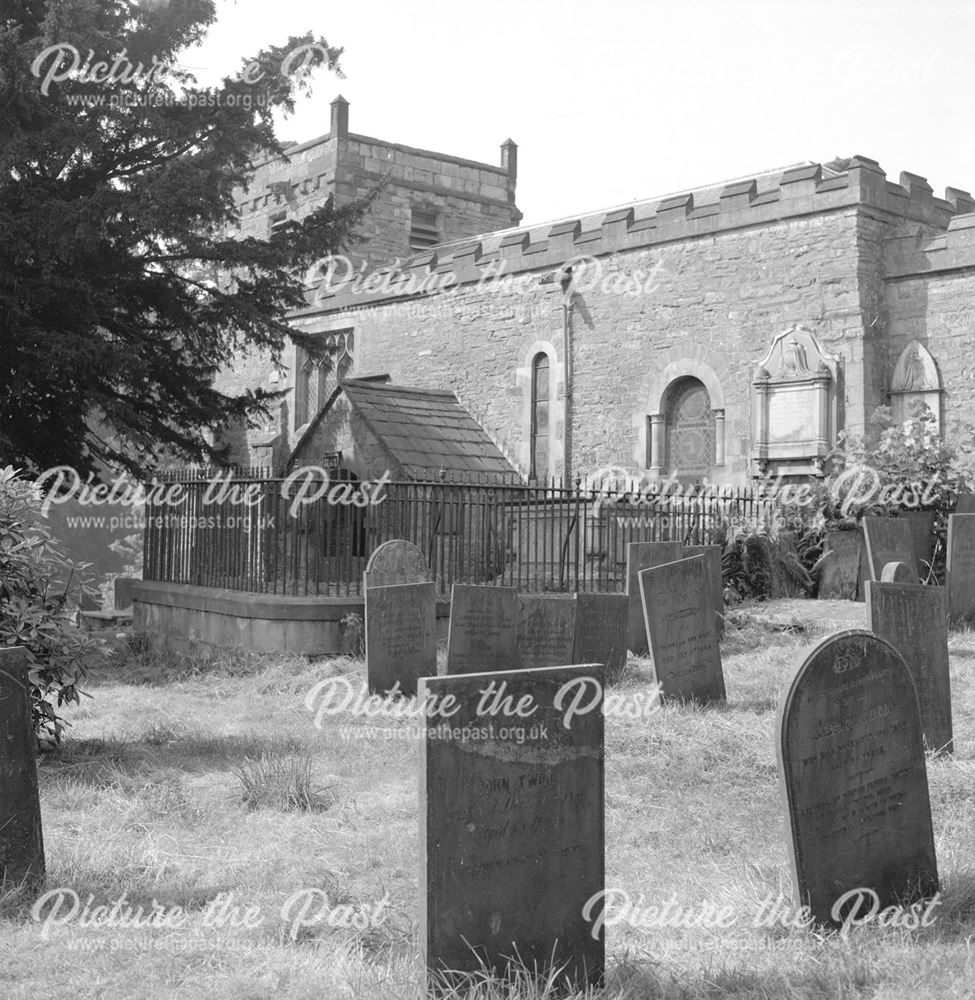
(621, 100)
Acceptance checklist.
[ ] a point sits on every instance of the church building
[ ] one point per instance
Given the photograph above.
(714, 335)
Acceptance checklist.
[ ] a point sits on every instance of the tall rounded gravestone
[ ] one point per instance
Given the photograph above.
(852, 772)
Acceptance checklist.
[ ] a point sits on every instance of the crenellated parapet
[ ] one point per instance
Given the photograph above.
(953, 250)
(807, 189)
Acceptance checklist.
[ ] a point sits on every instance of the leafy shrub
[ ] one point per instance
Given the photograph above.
(40, 592)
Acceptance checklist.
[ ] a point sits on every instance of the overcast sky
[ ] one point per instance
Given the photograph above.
(621, 100)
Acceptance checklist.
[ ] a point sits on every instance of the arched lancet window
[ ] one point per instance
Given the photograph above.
(689, 429)
(306, 379)
(540, 417)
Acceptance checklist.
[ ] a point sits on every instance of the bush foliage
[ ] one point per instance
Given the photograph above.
(40, 591)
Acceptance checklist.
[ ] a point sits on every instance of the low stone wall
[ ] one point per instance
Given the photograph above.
(180, 617)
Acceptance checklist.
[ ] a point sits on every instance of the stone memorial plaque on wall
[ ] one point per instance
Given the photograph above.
(641, 556)
(961, 567)
(852, 774)
(483, 630)
(21, 840)
(546, 630)
(683, 639)
(401, 636)
(914, 620)
(600, 636)
(394, 562)
(889, 539)
(512, 821)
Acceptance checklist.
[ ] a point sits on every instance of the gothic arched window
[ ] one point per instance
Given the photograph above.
(540, 417)
(689, 429)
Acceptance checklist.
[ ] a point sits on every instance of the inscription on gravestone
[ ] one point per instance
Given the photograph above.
(512, 821)
(961, 567)
(483, 630)
(21, 841)
(641, 556)
(914, 620)
(600, 637)
(393, 562)
(683, 639)
(546, 629)
(401, 636)
(852, 774)
(888, 539)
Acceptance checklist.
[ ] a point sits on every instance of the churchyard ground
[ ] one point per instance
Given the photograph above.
(211, 789)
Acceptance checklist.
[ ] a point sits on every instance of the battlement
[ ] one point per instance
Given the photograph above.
(801, 190)
(954, 250)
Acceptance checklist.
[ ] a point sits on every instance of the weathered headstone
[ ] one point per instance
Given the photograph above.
(641, 556)
(914, 620)
(546, 630)
(483, 630)
(21, 841)
(853, 777)
(889, 539)
(712, 566)
(965, 503)
(601, 621)
(897, 572)
(512, 821)
(961, 567)
(394, 562)
(683, 638)
(401, 636)
(841, 567)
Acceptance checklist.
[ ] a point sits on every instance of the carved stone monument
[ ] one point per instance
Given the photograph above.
(889, 539)
(914, 620)
(512, 822)
(546, 630)
(641, 556)
(853, 778)
(683, 638)
(21, 841)
(483, 630)
(401, 636)
(794, 405)
(601, 623)
(961, 567)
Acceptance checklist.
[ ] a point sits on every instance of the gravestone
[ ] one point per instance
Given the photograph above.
(914, 620)
(897, 572)
(712, 566)
(600, 636)
(401, 636)
(641, 556)
(394, 562)
(853, 778)
(512, 821)
(483, 630)
(889, 539)
(546, 631)
(965, 503)
(683, 639)
(961, 567)
(21, 841)
(841, 567)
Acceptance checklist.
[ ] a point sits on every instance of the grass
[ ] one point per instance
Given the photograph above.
(210, 789)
